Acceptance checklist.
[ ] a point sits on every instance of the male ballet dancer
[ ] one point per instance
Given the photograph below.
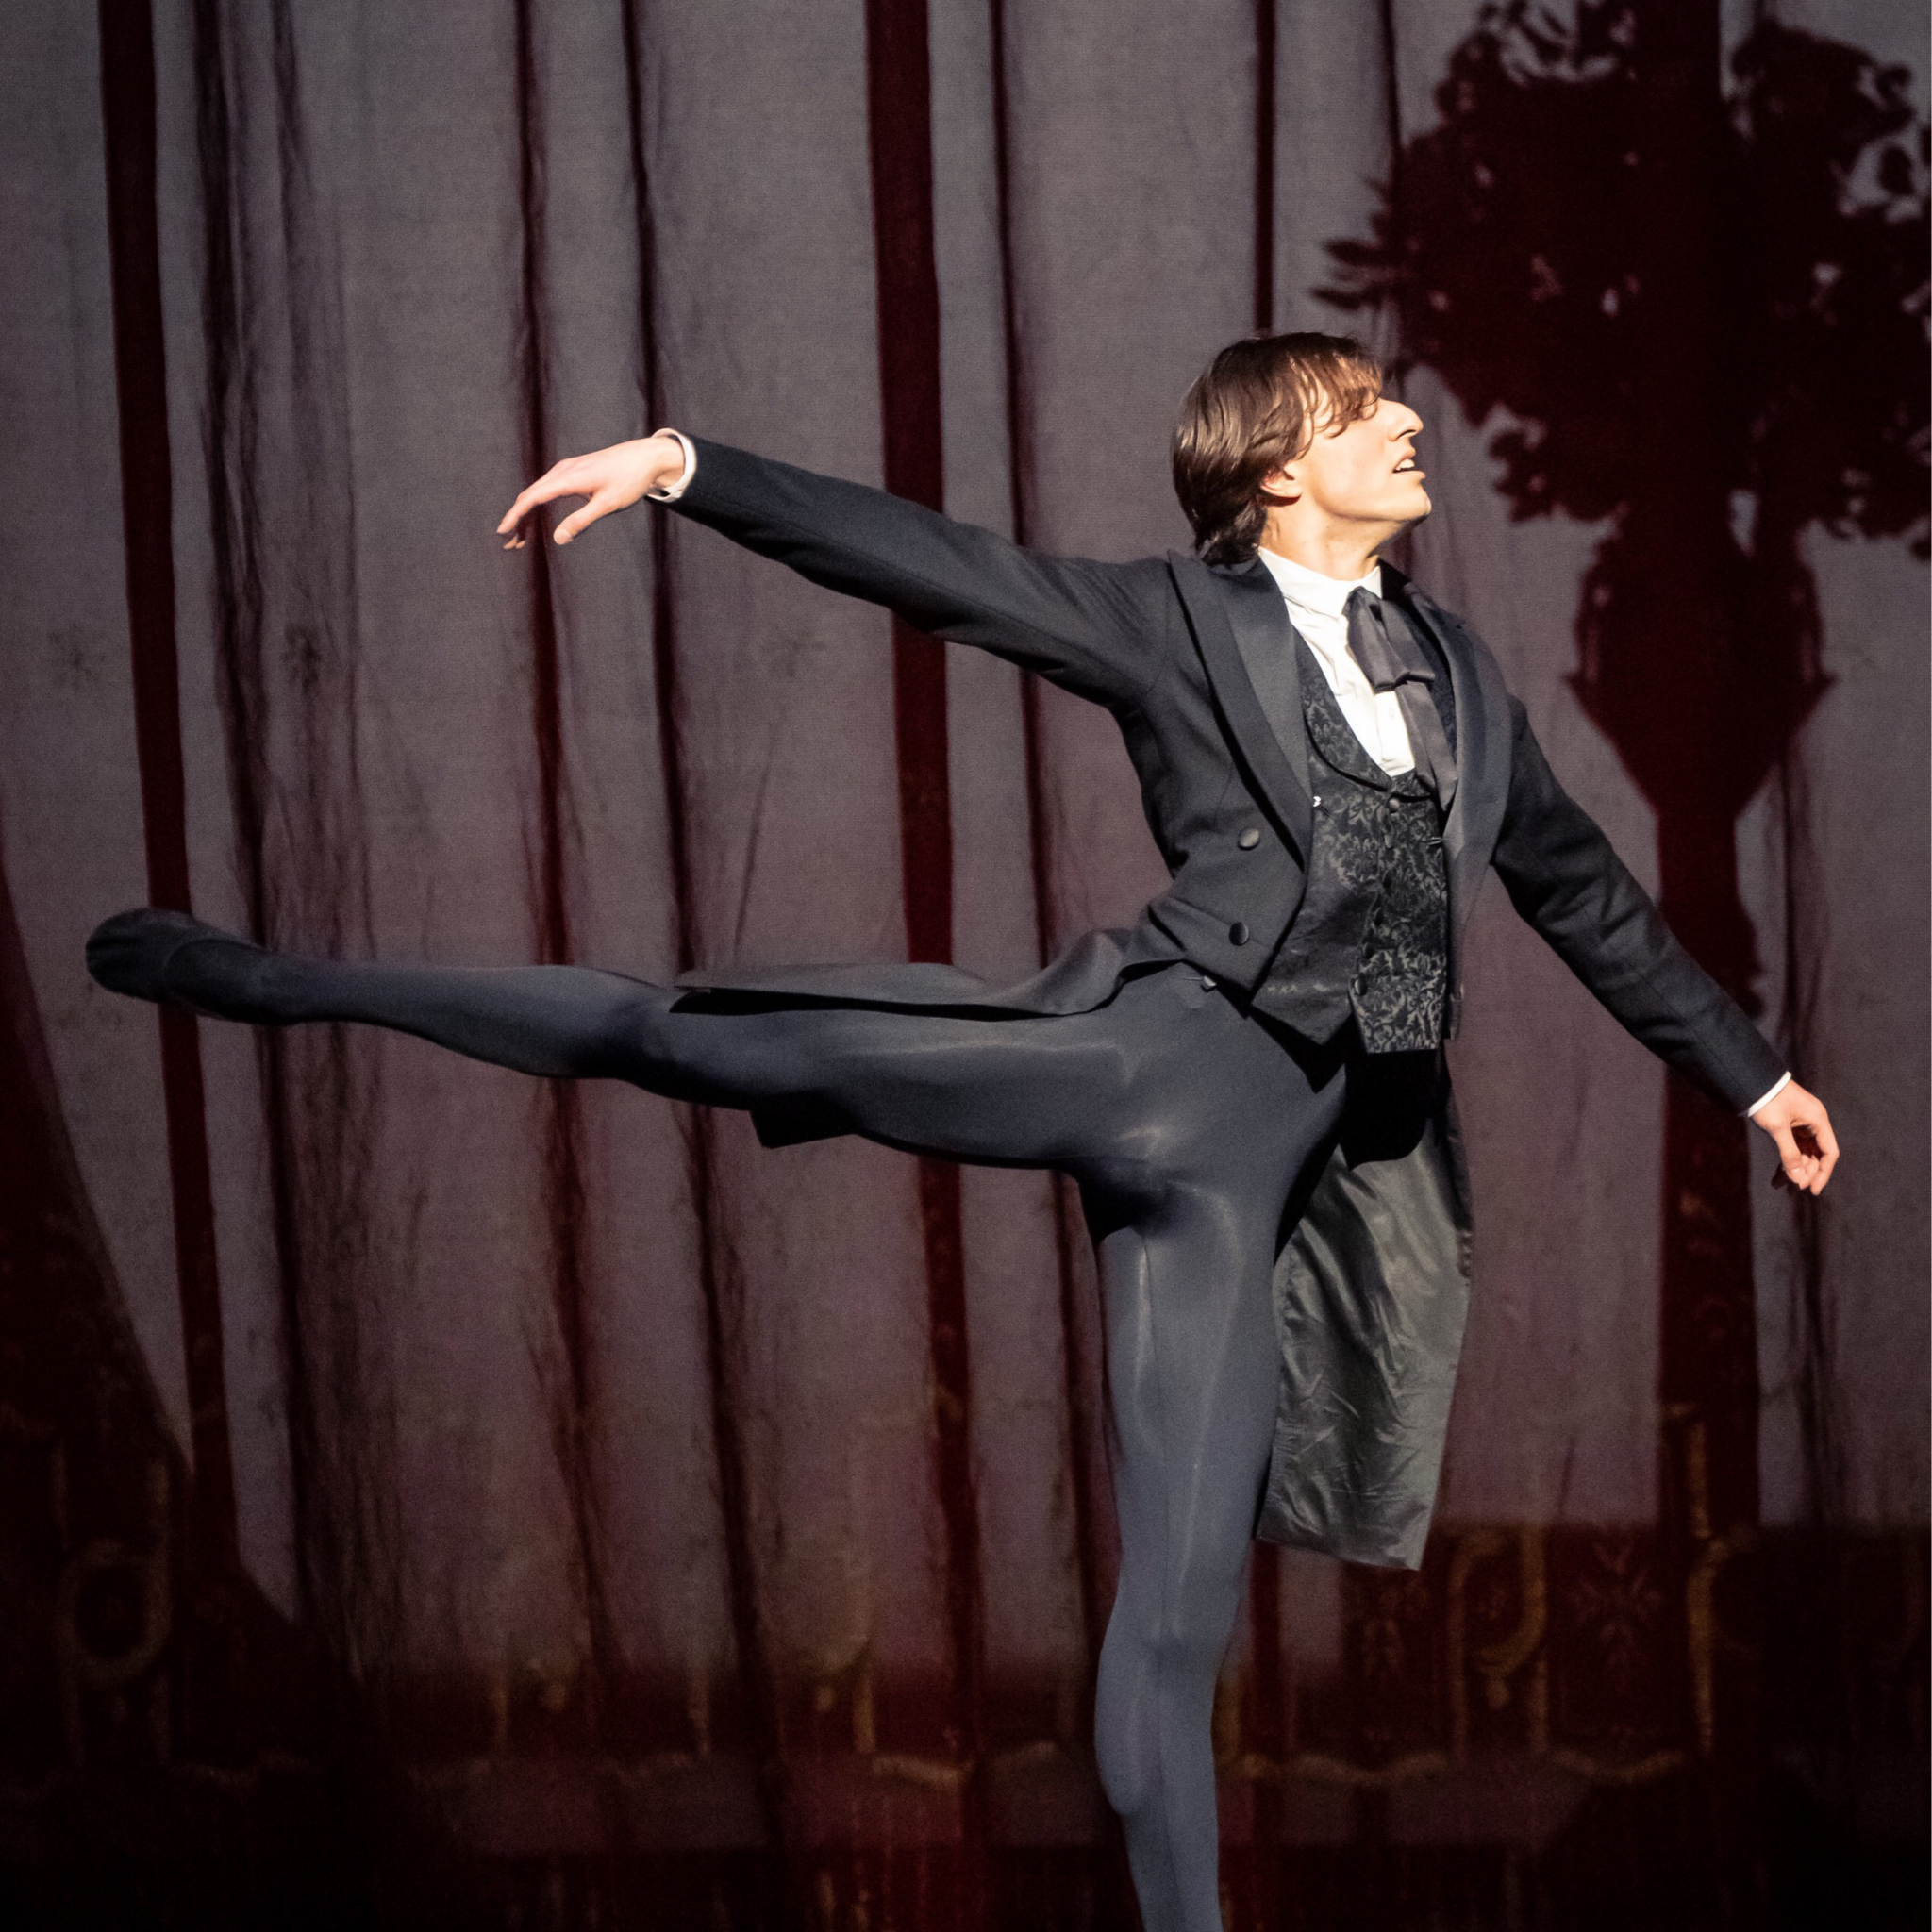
(1248, 1085)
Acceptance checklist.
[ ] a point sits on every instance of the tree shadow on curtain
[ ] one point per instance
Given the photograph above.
(1698, 302)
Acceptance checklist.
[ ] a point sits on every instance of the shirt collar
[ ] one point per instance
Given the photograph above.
(1311, 590)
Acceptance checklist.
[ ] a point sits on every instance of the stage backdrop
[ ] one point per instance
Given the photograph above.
(430, 1491)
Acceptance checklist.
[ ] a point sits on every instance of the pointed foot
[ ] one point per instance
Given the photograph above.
(179, 961)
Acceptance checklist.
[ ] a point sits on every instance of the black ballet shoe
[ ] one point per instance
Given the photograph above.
(132, 953)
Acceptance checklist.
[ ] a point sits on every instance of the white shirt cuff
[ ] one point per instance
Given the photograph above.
(1784, 1081)
(672, 492)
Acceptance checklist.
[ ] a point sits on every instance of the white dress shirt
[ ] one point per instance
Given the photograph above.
(1319, 607)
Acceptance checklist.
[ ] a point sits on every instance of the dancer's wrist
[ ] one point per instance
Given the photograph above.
(675, 462)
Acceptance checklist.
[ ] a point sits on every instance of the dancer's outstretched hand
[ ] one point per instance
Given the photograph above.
(611, 478)
(1797, 1122)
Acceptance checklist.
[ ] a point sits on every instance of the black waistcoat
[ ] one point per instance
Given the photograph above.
(1371, 938)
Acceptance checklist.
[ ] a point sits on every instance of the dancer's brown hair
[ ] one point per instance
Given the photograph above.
(1256, 406)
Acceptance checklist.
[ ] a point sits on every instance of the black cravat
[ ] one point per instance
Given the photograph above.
(1382, 642)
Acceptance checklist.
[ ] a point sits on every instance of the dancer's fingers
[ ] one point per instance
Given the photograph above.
(1808, 1149)
(1819, 1145)
(562, 479)
(600, 504)
(1828, 1141)
(1797, 1165)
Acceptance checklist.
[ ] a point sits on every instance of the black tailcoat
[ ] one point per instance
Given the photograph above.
(1195, 664)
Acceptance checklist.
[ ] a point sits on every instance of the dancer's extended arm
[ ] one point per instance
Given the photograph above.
(1564, 877)
(1098, 629)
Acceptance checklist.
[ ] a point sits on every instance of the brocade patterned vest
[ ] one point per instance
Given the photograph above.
(1372, 939)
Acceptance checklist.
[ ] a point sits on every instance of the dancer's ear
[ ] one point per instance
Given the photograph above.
(1282, 486)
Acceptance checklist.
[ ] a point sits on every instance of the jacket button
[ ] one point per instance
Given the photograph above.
(1238, 932)
(1249, 840)
(1316, 801)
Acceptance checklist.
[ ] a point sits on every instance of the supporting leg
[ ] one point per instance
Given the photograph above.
(1193, 1375)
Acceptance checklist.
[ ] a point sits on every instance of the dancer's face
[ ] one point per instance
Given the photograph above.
(1359, 472)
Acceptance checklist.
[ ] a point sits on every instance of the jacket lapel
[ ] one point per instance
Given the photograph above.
(1241, 624)
(1482, 753)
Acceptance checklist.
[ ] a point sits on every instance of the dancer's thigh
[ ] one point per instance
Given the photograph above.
(1186, 1271)
(1106, 1092)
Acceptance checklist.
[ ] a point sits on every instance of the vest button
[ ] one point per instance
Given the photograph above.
(1249, 840)
(1316, 801)
(1238, 932)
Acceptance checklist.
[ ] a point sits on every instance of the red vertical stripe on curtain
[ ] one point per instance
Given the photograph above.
(1675, 524)
(1264, 164)
(573, 1417)
(1266, 1712)
(1391, 100)
(128, 113)
(235, 585)
(717, 1280)
(899, 120)
(1083, 1431)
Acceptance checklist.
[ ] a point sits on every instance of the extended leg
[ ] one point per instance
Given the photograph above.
(1028, 1091)
(546, 1019)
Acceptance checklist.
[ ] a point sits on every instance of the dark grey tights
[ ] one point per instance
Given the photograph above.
(1188, 1124)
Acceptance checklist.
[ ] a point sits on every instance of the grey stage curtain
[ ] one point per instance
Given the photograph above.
(667, 1499)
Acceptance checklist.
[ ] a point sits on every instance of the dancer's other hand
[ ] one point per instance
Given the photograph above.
(1798, 1123)
(611, 478)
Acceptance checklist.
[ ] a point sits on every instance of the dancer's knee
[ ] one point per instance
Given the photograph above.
(720, 1060)
(1155, 1672)
(1183, 1645)
(629, 1039)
